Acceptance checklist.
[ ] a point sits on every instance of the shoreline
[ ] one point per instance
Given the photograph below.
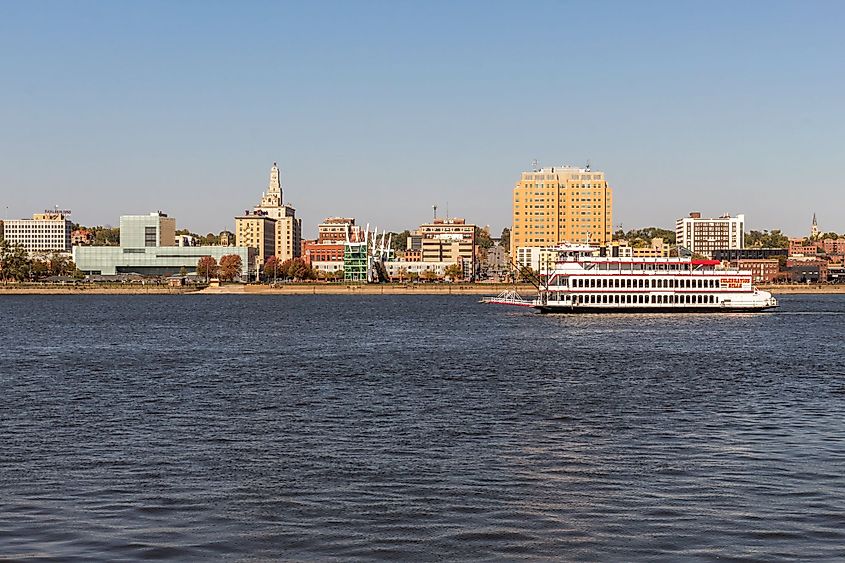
(340, 289)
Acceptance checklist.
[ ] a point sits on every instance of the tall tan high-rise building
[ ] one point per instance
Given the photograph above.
(256, 230)
(271, 217)
(561, 204)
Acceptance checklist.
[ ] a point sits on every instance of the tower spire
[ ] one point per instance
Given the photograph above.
(814, 228)
(274, 186)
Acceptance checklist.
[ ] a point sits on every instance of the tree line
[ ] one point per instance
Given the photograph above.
(229, 268)
(17, 265)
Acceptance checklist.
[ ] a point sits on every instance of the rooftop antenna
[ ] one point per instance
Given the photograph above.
(435, 210)
(588, 165)
(535, 164)
(447, 210)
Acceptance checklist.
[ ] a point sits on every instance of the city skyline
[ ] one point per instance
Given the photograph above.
(388, 109)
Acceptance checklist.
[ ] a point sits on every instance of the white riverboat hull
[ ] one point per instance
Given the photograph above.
(581, 282)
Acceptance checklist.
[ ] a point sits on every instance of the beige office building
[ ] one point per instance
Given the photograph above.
(704, 236)
(44, 232)
(446, 240)
(256, 231)
(561, 204)
(271, 217)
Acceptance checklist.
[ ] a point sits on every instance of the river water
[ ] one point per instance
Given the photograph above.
(392, 427)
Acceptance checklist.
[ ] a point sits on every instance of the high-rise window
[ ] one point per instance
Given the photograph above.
(150, 237)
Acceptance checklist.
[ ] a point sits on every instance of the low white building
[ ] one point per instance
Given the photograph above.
(539, 259)
(328, 266)
(394, 267)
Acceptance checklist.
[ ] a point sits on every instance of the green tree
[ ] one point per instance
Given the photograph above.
(183, 272)
(640, 238)
(39, 269)
(15, 263)
(413, 276)
(766, 239)
(454, 271)
(207, 267)
(482, 237)
(105, 236)
(776, 239)
(399, 241)
(230, 267)
(60, 265)
(506, 239)
(403, 273)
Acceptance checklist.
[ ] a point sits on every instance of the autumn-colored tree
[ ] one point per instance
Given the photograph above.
(273, 268)
(403, 273)
(230, 267)
(428, 275)
(297, 269)
(207, 266)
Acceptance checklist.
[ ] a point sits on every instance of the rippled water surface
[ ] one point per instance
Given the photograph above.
(201, 427)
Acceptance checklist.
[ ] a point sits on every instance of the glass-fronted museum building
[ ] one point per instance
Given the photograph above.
(147, 247)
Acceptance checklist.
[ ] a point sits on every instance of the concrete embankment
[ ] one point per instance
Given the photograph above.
(373, 289)
(331, 289)
(91, 289)
(803, 288)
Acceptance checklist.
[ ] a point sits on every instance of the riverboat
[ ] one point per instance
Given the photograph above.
(580, 282)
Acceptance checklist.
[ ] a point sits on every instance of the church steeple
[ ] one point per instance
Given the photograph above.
(814, 229)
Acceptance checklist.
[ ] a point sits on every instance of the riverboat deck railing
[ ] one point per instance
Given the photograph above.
(508, 297)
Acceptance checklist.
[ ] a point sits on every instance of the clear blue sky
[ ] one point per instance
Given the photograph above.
(379, 109)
